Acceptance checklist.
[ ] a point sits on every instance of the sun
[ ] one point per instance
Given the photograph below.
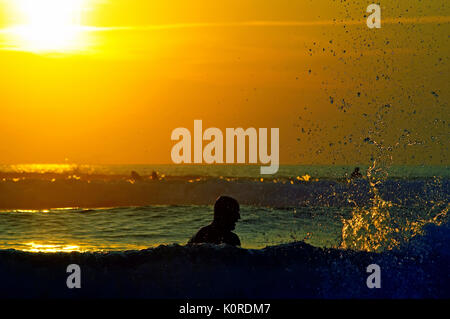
(49, 25)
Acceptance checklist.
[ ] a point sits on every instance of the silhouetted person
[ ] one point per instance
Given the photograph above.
(154, 175)
(135, 176)
(356, 173)
(226, 214)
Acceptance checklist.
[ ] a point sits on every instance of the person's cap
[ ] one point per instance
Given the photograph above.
(225, 206)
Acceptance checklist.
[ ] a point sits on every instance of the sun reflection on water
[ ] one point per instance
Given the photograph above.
(51, 248)
(43, 168)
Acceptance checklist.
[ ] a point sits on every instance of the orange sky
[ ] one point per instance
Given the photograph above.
(139, 69)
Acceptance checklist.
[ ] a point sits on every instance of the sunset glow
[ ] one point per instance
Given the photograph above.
(48, 25)
(107, 81)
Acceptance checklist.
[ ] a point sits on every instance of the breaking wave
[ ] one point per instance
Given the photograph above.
(417, 269)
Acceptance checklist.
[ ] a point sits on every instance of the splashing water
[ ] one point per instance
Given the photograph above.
(384, 225)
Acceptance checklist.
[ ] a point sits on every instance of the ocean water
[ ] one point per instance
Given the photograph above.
(55, 208)
(239, 171)
(125, 228)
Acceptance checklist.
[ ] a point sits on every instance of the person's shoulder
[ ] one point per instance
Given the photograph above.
(201, 235)
(205, 229)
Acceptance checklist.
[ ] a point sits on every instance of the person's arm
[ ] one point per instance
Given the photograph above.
(234, 240)
(194, 239)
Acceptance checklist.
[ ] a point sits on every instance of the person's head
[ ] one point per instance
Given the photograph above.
(357, 169)
(226, 212)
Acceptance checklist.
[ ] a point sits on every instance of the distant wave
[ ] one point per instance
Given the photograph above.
(43, 194)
